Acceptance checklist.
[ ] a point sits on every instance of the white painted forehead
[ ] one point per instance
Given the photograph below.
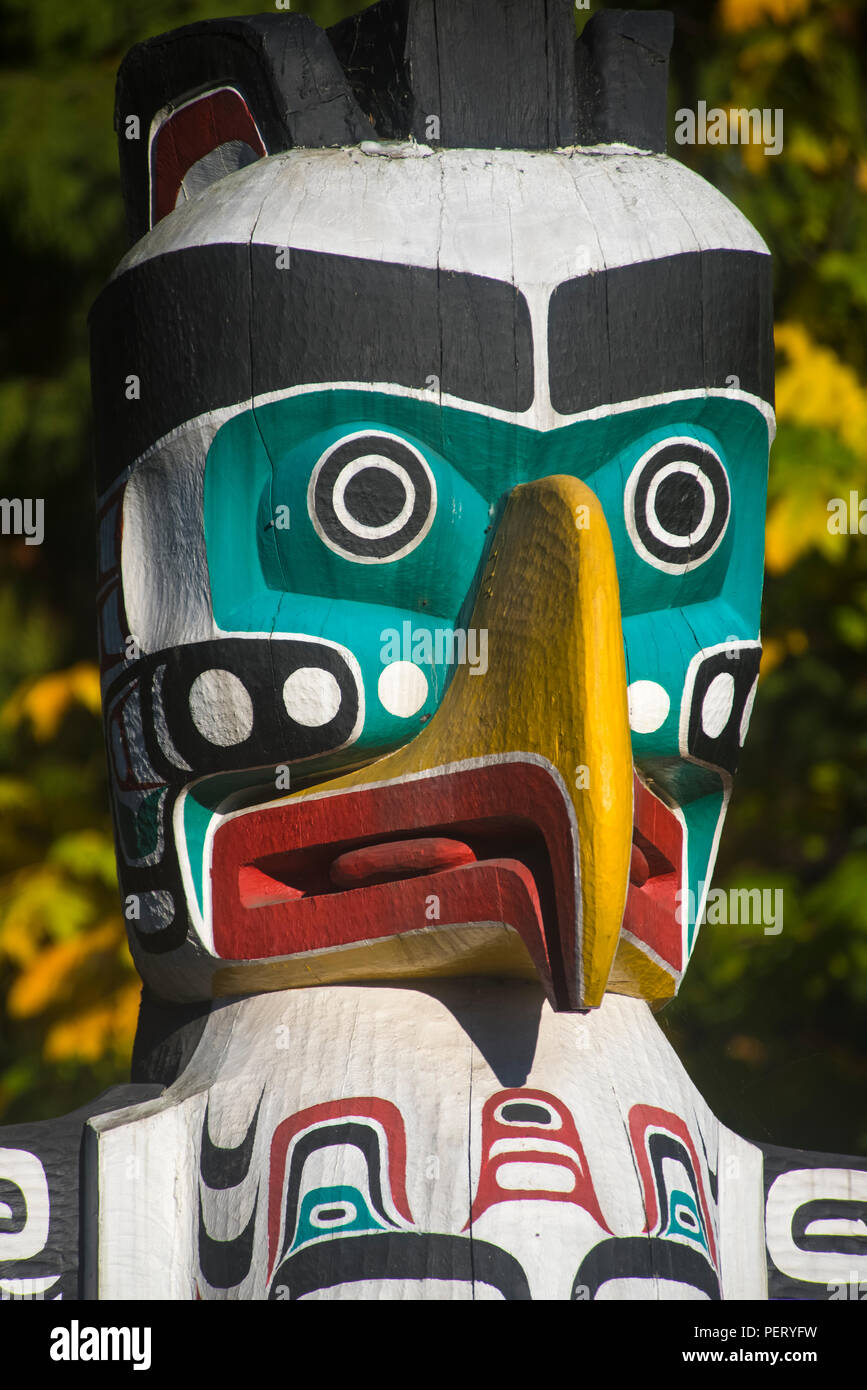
(529, 218)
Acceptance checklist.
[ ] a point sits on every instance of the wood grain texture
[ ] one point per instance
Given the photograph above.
(391, 1145)
(623, 78)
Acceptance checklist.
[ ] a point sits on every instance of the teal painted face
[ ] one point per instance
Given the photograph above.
(363, 519)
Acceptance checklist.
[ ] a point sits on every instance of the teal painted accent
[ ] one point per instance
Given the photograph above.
(197, 818)
(702, 819)
(139, 830)
(266, 578)
(295, 559)
(680, 1200)
(358, 1217)
(226, 791)
(365, 630)
(147, 823)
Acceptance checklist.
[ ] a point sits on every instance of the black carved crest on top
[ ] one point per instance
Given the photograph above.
(478, 74)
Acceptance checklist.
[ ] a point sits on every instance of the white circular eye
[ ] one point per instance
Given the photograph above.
(311, 696)
(402, 689)
(677, 505)
(221, 708)
(372, 498)
(648, 706)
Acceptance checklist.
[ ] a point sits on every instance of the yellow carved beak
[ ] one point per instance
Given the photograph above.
(555, 689)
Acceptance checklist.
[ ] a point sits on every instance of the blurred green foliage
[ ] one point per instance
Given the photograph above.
(770, 1027)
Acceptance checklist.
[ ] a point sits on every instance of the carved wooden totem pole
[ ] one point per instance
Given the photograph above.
(433, 404)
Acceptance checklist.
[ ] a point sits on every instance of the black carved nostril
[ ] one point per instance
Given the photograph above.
(717, 702)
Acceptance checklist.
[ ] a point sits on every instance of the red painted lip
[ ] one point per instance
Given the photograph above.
(273, 872)
(651, 907)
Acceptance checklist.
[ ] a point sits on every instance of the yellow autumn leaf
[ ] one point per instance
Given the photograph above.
(754, 158)
(796, 523)
(40, 901)
(816, 389)
(44, 702)
(90, 1034)
(736, 16)
(815, 153)
(126, 1010)
(16, 795)
(773, 653)
(49, 976)
(83, 1036)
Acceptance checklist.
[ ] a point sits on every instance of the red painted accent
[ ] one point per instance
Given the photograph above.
(499, 1132)
(361, 1108)
(191, 133)
(524, 877)
(651, 905)
(639, 871)
(273, 869)
(398, 859)
(256, 889)
(641, 1119)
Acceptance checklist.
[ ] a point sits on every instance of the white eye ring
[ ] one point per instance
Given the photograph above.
(384, 465)
(369, 541)
(677, 551)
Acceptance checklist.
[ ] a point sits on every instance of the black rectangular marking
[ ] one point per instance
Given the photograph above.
(678, 323)
(207, 326)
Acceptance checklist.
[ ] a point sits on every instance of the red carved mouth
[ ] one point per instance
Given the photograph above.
(492, 843)
(651, 918)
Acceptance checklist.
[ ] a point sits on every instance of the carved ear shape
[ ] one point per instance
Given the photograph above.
(201, 102)
(198, 143)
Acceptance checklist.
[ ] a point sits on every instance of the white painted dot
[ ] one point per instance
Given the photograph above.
(748, 713)
(311, 696)
(402, 688)
(648, 706)
(221, 708)
(716, 707)
(360, 465)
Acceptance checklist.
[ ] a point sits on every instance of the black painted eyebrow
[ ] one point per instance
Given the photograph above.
(677, 323)
(183, 324)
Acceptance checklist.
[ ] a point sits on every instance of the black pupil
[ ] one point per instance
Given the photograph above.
(680, 504)
(374, 497)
